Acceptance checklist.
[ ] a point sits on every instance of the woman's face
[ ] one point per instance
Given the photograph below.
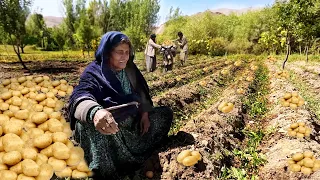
(119, 57)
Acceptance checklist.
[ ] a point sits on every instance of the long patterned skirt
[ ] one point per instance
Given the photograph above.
(108, 155)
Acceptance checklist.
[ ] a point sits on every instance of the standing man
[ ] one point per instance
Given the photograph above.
(183, 43)
(150, 53)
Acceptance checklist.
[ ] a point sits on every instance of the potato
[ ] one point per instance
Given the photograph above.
(1, 131)
(183, 155)
(33, 95)
(11, 158)
(11, 127)
(307, 162)
(308, 154)
(76, 155)
(190, 161)
(55, 83)
(48, 110)
(44, 126)
(62, 93)
(308, 132)
(78, 174)
(302, 129)
(46, 172)
(24, 177)
(306, 170)
(3, 167)
(16, 168)
(294, 94)
(57, 164)
(291, 161)
(295, 167)
(25, 91)
(302, 123)
(6, 95)
(67, 172)
(196, 154)
(293, 106)
(30, 168)
(8, 175)
(294, 125)
(222, 104)
(39, 117)
(25, 105)
(82, 166)
(60, 150)
(69, 144)
(316, 167)
(35, 132)
(28, 125)
(22, 114)
(40, 97)
(12, 142)
(59, 105)
(16, 94)
(13, 108)
(6, 82)
(3, 119)
(55, 125)
(41, 159)
(287, 96)
(44, 89)
(4, 106)
(294, 100)
(38, 79)
(299, 135)
(227, 108)
(55, 115)
(47, 151)
(30, 153)
(42, 141)
(301, 102)
(292, 133)
(297, 157)
(69, 90)
(60, 137)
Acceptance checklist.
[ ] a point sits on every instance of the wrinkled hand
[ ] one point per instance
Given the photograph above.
(105, 123)
(144, 123)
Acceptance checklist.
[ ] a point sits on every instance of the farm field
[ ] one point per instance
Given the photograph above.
(253, 139)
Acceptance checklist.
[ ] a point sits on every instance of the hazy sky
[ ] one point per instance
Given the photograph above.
(188, 7)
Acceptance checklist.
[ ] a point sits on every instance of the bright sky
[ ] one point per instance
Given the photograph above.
(188, 7)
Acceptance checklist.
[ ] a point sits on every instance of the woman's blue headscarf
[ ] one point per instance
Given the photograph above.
(99, 83)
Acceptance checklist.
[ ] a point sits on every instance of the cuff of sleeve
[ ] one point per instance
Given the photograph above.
(92, 111)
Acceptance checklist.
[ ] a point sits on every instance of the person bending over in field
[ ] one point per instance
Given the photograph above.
(116, 140)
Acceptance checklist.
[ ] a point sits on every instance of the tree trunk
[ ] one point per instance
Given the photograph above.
(300, 49)
(22, 49)
(287, 56)
(19, 57)
(307, 49)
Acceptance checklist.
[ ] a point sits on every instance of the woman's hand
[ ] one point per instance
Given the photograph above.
(105, 123)
(144, 123)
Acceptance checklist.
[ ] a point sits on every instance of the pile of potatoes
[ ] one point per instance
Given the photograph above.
(34, 136)
(188, 157)
(282, 75)
(292, 100)
(304, 162)
(225, 107)
(299, 130)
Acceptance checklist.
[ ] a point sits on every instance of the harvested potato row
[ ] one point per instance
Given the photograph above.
(299, 130)
(282, 75)
(292, 100)
(304, 162)
(189, 158)
(225, 107)
(34, 136)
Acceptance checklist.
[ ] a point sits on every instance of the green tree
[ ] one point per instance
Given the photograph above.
(13, 15)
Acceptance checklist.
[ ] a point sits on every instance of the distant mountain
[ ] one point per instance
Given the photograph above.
(52, 21)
